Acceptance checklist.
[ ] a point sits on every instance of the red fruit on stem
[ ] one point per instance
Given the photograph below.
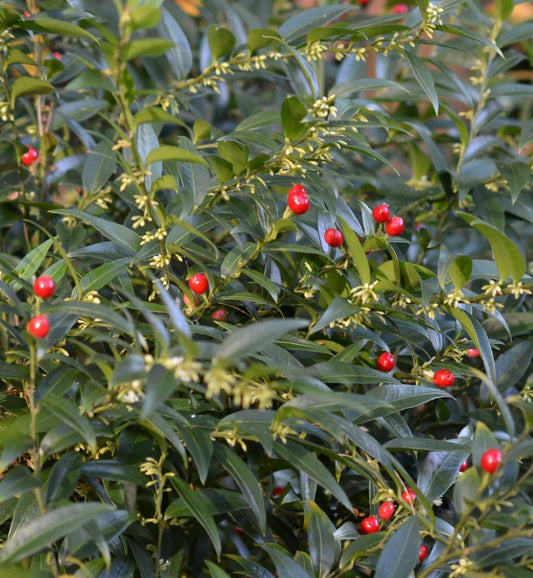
(385, 361)
(394, 226)
(422, 553)
(239, 531)
(219, 315)
(369, 525)
(198, 283)
(277, 491)
(381, 213)
(491, 460)
(400, 9)
(333, 237)
(463, 466)
(386, 510)
(29, 157)
(44, 286)
(409, 496)
(39, 326)
(298, 200)
(444, 378)
(472, 352)
(363, 2)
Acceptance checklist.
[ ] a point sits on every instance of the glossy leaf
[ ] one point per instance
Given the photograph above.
(401, 550)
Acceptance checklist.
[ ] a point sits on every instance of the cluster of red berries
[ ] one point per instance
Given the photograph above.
(43, 287)
(371, 524)
(393, 225)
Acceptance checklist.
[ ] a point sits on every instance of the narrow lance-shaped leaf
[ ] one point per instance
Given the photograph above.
(400, 553)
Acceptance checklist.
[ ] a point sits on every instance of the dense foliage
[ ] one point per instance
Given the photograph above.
(195, 385)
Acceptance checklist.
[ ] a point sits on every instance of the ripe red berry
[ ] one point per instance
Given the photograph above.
(490, 460)
(463, 466)
(297, 199)
(394, 226)
(39, 326)
(44, 286)
(386, 510)
(400, 8)
(198, 283)
(219, 315)
(29, 157)
(369, 525)
(409, 496)
(472, 352)
(422, 553)
(363, 2)
(385, 361)
(333, 237)
(277, 491)
(381, 213)
(444, 378)
(239, 531)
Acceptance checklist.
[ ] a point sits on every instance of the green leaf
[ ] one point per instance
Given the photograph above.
(356, 252)
(439, 471)
(512, 364)
(339, 308)
(154, 114)
(196, 504)
(175, 314)
(360, 548)
(285, 564)
(68, 413)
(403, 396)
(324, 549)
(246, 481)
(425, 444)
(15, 482)
(424, 78)
(114, 470)
(146, 47)
(172, 153)
(261, 38)
(302, 460)
(517, 175)
(119, 234)
(200, 446)
(104, 274)
(215, 571)
(293, 112)
(16, 56)
(41, 532)
(144, 16)
(221, 41)
(460, 271)
(507, 255)
(180, 55)
(98, 167)
(53, 26)
(466, 490)
(303, 22)
(400, 553)
(28, 265)
(247, 340)
(354, 87)
(25, 85)
(235, 260)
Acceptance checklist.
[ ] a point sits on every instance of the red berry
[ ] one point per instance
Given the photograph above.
(400, 8)
(369, 525)
(386, 510)
(385, 361)
(219, 315)
(409, 496)
(472, 352)
(444, 378)
(490, 460)
(381, 213)
(363, 2)
(239, 531)
(422, 553)
(29, 157)
(57, 55)
(463, 466)
(333, 237)
(277, 491)
(39, 326)
(187, 301)
(44, 286)
(395, 226)
(198, 283)
(297, 199)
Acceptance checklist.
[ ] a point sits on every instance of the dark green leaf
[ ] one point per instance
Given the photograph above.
(401, 551)
(221, 41)
(293, 112)
(42, 531)
(172, 153)
(27, 85)
(303, 22)
(99, 165)
(460, 271)
(324, 549)
(145, 47)
(424, 78)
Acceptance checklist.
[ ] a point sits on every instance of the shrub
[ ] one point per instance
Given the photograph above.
(207, 399)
